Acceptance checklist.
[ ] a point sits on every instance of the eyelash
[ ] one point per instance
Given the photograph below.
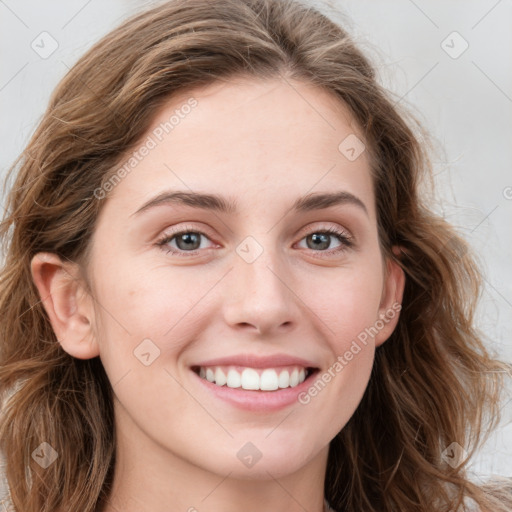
(342, 236)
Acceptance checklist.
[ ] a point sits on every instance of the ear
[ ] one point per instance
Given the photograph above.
(391, 300)
(67, 304)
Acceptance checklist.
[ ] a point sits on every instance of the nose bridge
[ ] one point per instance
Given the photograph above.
(258, 264)
(260, 294)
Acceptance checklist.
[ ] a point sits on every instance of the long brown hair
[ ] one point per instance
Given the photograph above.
(433, 382)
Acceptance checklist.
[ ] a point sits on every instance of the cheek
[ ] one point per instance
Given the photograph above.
(145, 323)
(348, 307)
(347, 304)
(147, 301)
(152, 303)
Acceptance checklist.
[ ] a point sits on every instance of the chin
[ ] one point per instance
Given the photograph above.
(261, 461)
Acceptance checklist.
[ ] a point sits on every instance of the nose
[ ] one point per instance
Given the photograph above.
(259, 296)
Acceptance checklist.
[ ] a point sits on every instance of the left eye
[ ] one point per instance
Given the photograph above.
(322, 240)
(190, 241)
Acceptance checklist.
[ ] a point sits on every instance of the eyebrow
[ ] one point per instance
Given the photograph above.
(214, 202)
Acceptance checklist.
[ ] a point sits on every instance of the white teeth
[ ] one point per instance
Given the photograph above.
(234, 379)
(220, 377)
(284, 379)
(268, 379)
(294, 378)
(250, 379)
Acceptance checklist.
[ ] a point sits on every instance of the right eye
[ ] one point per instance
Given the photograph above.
(185, 241)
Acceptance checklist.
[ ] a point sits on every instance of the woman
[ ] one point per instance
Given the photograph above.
(223, 289)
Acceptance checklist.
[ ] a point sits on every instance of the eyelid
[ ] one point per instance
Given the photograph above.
(319, 226)
(173, 231)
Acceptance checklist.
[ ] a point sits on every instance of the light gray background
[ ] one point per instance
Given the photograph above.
(465, 102)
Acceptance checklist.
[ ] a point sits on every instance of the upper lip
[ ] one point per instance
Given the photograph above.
(253, 361)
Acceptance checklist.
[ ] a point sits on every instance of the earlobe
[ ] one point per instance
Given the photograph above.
(66, 303)
(391, 302)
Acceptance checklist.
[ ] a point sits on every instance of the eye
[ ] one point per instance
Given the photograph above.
(320, 240)
(188, 240)
(185, 240)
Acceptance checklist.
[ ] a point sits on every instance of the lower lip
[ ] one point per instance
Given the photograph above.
(257, 401)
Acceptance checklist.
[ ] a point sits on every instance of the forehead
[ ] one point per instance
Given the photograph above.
(272, 139)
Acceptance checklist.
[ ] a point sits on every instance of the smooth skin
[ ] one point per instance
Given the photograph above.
(263, 144)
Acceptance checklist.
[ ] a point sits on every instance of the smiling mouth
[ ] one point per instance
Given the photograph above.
(254, 379)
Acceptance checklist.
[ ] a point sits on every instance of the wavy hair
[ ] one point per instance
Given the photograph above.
(433, 382)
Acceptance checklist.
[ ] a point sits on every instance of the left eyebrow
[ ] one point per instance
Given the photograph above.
(319, 201)
(215, 202)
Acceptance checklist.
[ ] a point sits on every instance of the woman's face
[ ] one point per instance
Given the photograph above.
(253, 293)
